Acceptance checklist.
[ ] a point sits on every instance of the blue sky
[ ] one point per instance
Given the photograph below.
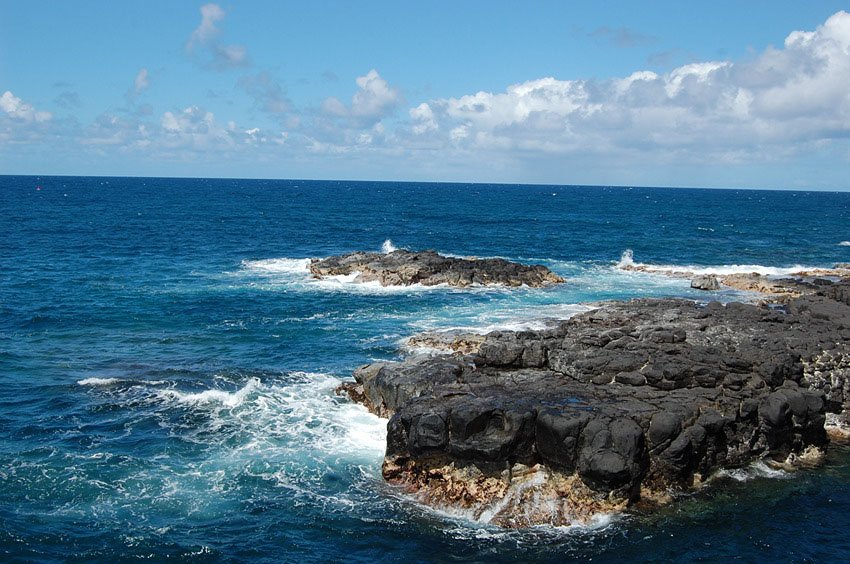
(734, 94)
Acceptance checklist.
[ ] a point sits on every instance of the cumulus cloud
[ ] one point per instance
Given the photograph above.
(22, 124)
(796, 94)
(205, 42)
(18, 110)
(195, 128)
(782, 105)
(422, 118)
(374, 100)
(340, 128)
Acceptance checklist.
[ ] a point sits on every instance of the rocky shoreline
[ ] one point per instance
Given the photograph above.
(428, 268)
(775, 289)
(626, 404)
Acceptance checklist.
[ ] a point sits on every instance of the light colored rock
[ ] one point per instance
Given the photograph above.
(707, 282)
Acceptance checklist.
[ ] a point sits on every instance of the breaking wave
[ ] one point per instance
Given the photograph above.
(278, 266)
(235, 438)
(388, 247)
(627, 262)
(98, 381)
(755, 470)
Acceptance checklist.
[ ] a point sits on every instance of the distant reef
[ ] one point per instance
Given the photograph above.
(428, 268)
(621, 406)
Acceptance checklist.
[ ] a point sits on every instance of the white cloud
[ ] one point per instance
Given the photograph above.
(142, 80)
(375, 97)
(423, 119)
(218, 56)
(19, 110)
(374, 100)
(195, 128)
(339, 128)
(797, 94)
(696, 72)
(782, 106)
(206, 30)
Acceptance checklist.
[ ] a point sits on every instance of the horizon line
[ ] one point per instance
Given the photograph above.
(445, 182)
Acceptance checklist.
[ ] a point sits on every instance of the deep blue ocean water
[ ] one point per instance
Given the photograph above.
(167, 366)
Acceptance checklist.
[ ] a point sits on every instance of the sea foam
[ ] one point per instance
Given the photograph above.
(388, 247)
(227, 399)
(98, 381)
(278, 265)
(755, 470)
(627, 262)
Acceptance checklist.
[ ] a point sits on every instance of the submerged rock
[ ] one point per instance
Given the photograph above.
(403, 268)
(622, 403)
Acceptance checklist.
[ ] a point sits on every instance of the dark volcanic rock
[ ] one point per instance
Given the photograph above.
(639, 396)
(403, 268)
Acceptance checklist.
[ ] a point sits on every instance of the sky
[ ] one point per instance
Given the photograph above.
(658, 93)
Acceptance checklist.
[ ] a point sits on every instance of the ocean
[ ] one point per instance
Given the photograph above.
(168, 366)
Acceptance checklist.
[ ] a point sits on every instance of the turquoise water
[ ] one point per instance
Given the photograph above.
(168, 366)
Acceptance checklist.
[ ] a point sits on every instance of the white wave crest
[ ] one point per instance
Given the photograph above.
(626, 259)
(278, 266)
(295, 273)
(757, 469)
(388, 247)
(227, 399)
(303, 415)
(290, 431)
(465, 529)
(627, 262)
(98, 381)
(348, 283)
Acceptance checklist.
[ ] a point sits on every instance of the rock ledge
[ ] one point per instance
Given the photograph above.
(622, 404)
(404, 268)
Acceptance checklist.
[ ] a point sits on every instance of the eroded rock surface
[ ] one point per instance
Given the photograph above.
(403, 268)
(622, 403)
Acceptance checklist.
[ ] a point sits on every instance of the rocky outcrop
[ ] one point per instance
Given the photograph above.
(621, 404)
(403, 268)
(705, 282)
(776, 289)
(781, 289)
(446, 341)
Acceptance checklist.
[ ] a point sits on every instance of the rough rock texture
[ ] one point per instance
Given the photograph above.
(621, 403)
(403, 268)
(705, 282)
(446, 341)
(780, 289)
